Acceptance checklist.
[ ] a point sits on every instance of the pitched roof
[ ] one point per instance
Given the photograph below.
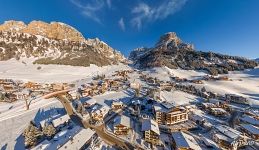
(250, 128)
(123, 120)
(219, 110)
(229, 132)
(43, 145)
(150, 124)
(179, 139)
(88, 101)
(250, 119)
(79, 140)
(60, 120)
(117, 103)
(183, 140)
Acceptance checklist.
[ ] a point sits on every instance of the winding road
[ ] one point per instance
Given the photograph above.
(84, 122)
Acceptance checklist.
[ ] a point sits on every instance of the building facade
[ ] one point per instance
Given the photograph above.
(122, 125)
(170, 116)
(151, 131)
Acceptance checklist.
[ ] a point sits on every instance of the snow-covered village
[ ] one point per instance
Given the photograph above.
(63, 88)
(125, 108)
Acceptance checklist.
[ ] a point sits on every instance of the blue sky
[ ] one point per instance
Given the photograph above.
(224, 26)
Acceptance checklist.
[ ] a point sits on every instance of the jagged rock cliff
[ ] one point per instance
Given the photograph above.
(53, 30)
(54, 43)
(172, 52)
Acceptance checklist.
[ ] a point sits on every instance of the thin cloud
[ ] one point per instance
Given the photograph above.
(145, 13)
(121, 24)
(90, 8)
(109, 3)
(142, 13)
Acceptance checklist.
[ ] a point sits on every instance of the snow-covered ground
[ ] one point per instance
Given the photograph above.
(13, 69)
(178, 97)
(14, 118)
(244, 83)
(10, 110)
(164, 73)
(107, 98)
(14, 121)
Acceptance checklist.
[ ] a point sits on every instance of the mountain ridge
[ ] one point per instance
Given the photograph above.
(172, 52)
(54, 43)
(53, 30)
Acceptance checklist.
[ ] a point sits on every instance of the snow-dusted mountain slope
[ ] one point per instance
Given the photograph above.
(54, 43)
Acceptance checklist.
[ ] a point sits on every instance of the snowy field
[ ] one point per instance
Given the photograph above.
(179, 98)
(13, 69)
(244, 83)
(164, 73)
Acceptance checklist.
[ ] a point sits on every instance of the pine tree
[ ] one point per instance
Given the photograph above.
(203, 89)
(2, 96)
(31, 135)
(49, 131)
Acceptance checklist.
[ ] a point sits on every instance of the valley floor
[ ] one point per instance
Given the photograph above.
(14, 118)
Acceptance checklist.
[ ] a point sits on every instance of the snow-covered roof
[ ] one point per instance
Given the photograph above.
(250, 128)
(250, 119)
(177, 110)
(208, 105)
(63, 137)
(88, 101)
(167, 105)
(117, 103)
(102, 110)
(150, 124)
(26, 91)
(234, 95)
(229, 132)
(219, 110)
(196, 117)
(123, 120)
(60, 120)
(179, 139)
(79, 140)
(223, 137)
(183, 140)
(42, 146)
(160, 108)
(214, 101)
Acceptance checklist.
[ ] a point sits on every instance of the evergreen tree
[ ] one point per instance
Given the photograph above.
(49, 131)
(31, 135)
(203, 89)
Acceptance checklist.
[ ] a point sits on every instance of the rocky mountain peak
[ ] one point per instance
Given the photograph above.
(172, 41)
(12, 26)
(173, 53)
(169, 38)
(53, 30)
